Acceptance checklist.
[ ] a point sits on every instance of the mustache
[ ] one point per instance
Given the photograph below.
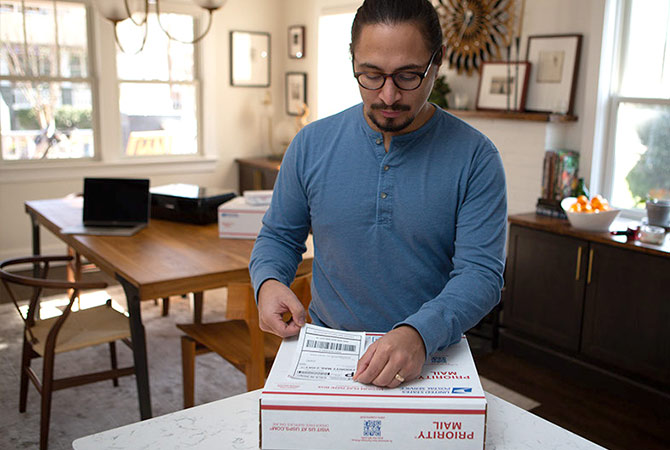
(393, 107)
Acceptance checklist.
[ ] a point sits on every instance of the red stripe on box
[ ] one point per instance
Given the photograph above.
(338, 394)
(373, 410)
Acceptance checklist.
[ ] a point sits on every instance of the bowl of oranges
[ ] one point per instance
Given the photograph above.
(593, 214)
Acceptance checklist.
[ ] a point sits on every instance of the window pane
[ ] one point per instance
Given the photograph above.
(45, 120)
(41, 38)
(159, 119)
(162, 58)
(646, 69)
(12, 58)
(642, 154)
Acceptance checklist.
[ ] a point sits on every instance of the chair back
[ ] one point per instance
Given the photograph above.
(40, 282)
(241, 304)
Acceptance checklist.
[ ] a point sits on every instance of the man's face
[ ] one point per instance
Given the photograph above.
(388, 49)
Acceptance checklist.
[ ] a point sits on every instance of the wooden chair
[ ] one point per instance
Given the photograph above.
(239, 340)
(72, 330)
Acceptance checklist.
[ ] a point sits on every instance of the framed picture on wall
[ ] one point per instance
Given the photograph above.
(249, 59)
(502, 85)
(296, 93)
(554, 64)
(296, 42)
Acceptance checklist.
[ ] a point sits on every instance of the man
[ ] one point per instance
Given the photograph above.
(406, 203)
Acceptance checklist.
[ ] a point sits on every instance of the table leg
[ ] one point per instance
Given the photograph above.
(197, 306)
(139, 347)
(35, 228)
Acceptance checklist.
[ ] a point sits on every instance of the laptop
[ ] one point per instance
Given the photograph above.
(113, 207)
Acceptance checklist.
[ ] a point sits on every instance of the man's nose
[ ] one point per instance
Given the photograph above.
(389, 93)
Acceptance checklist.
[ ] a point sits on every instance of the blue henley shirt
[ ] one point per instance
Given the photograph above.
(415, 236)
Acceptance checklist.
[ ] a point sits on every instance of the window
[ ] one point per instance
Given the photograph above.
(640, 123)
(158, 87)
(45, 99)
(337, 88)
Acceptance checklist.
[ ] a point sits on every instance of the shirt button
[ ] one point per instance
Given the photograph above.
(386, 167)
(383, 195)
(378, 141)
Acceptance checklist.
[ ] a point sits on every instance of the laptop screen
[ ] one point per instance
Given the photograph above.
(116, 201)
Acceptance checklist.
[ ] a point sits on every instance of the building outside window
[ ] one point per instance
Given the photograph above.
(639, 141)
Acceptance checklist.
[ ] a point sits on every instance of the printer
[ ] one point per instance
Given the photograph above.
(187, 203)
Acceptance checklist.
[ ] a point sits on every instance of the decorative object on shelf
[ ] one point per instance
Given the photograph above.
(658, 212)
(555, 62)
(560, 171)
(475, 31)
(117, 11)
(496, 85)
(249, 59)
(461, 100)
(439, 93)
(296, 93)
(296, 42)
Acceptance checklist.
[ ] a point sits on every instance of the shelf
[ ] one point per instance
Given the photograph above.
(513, 115)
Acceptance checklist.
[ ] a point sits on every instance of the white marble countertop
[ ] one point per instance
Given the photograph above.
(232, 423)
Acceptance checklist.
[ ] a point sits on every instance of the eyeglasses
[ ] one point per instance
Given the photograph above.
(404, 80)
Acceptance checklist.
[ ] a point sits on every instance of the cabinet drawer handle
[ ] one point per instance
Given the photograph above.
(579, 262)
(588, 276)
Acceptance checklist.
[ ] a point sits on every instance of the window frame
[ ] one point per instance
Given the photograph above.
(621, 31)
(105, 95)
(196, 13)
(90, 79)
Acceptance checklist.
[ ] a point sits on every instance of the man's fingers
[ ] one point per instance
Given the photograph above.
(274, 300)
(387, 376)
(297, 311)
(364, 362)
(377, 362)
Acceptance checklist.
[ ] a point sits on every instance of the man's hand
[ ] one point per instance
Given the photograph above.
(400, 351)
(275, 299)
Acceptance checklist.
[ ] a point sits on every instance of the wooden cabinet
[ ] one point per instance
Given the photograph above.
(627, 312)
(546, 286)
(257, 173)
(589, 299)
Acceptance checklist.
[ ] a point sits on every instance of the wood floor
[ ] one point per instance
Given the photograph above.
(610, 419)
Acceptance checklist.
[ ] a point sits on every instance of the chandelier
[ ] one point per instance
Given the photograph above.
(117, 11)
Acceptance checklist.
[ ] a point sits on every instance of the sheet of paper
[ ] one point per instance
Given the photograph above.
(325, 354)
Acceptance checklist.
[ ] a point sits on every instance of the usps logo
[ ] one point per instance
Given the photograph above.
(372, 428)
(461, 390)
(438, 360)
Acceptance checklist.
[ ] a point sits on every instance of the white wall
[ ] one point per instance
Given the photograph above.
(233, 118)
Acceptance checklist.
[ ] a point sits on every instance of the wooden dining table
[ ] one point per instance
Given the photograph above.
(165, 258)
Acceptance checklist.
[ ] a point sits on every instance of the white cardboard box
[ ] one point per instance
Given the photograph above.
(444, 408)
(239, 220)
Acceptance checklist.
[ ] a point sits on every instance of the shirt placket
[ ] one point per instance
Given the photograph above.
(385, 188)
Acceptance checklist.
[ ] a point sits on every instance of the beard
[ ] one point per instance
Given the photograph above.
(390, 125)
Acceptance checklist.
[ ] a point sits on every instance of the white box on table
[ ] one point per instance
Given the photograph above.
(444, 408)
(239, 220)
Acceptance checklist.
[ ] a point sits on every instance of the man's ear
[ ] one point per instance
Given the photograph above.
(443, 52)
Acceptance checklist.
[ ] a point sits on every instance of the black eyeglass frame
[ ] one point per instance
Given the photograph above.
(394, 74)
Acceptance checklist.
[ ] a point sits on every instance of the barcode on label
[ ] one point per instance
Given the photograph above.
(326, 345)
